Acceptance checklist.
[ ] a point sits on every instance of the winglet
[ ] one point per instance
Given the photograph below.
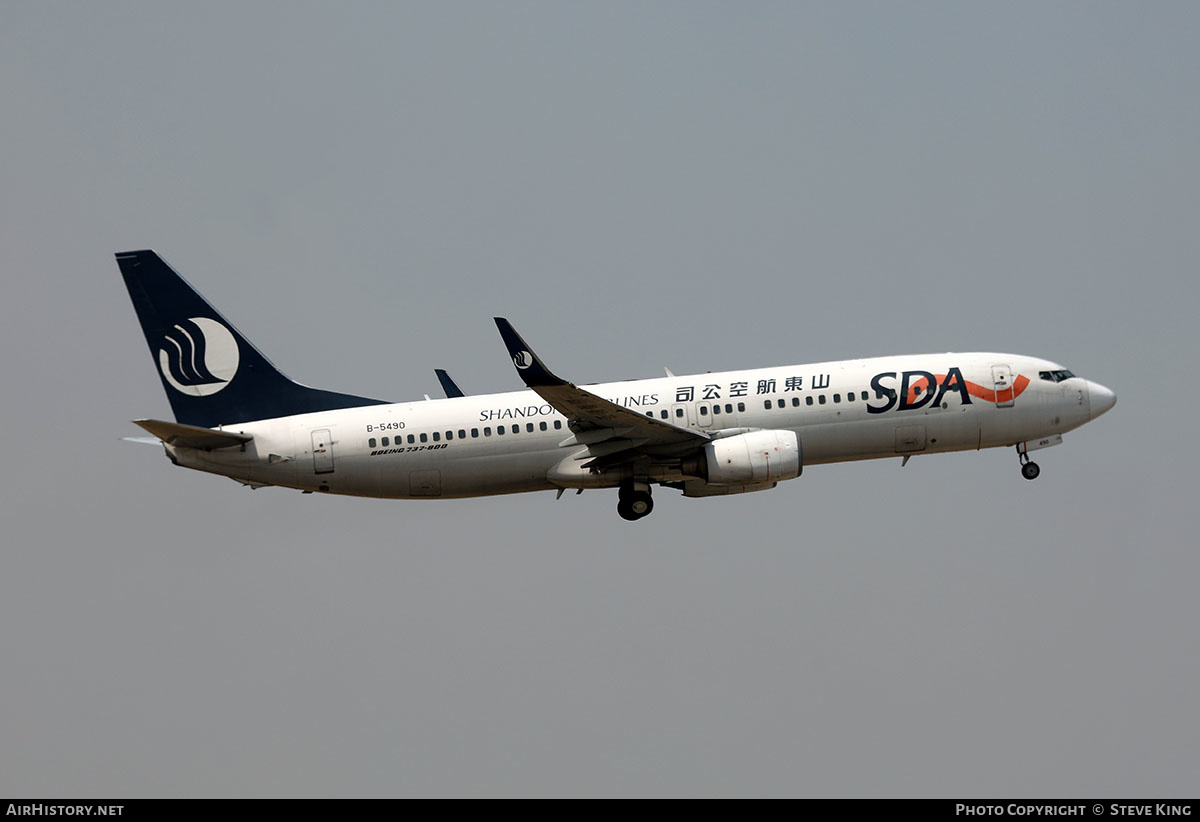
(448, 385)
(531, 368)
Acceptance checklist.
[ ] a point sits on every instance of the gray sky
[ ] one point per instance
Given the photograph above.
(360, 187)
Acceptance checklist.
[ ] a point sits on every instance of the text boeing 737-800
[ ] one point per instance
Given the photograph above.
(705, 434)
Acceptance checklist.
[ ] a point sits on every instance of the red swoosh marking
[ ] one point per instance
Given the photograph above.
(975, 390)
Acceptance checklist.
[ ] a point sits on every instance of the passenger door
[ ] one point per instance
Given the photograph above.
(1002, 379)
(322, 451)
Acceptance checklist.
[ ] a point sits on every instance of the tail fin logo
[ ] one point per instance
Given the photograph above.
(523, 360)
(198, 357)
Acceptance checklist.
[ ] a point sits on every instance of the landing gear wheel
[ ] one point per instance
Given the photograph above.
(641, 504)
(635, 505)
(1029, 469)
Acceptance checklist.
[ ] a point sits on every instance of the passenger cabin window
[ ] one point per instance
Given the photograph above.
(741, 406)
(411, 439)
(864, 396)
(728, 408)
(679, 412)
(557, 424)
(716, 409)
(837, 397)
(704, 410)
(795, 402)
(487, 431)
(424, 438)
(821, 399)
(542, 425)
(767, 404)
(371, 442)
(500, 430)
(516, 429)
(808, 400)
(474, 433)
(384, 442)
(462, 433)
(529, 427)
(663, 413)
(437, 437)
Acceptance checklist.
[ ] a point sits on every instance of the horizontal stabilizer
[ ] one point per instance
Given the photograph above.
(193, 436)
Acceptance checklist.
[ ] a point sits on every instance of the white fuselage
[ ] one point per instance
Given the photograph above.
(509, 443)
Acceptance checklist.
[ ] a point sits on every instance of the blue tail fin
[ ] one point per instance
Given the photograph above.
(211, 373)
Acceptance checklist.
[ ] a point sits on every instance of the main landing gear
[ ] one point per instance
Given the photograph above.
(633, 500)
(1029, 469)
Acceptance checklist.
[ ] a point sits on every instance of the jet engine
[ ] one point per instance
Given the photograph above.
(749, 459)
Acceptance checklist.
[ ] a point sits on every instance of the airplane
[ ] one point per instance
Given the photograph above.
(710, 434)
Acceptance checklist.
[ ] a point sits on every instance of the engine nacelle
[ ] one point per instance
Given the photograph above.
(752, 458)
(699, 488)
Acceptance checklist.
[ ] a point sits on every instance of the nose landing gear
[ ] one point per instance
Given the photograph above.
(1029, 469)
(633, 501)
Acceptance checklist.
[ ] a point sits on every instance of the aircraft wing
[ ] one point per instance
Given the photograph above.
(193, 436)
(612, 433)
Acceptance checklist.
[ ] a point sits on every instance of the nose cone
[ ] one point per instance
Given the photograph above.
(1101, 398)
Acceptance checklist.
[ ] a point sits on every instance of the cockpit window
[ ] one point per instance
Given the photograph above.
(1055, 376)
